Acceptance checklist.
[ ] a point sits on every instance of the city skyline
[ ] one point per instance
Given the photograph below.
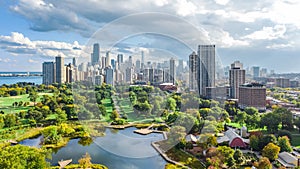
(261, 31)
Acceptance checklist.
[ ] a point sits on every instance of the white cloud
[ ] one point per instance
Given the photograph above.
(17, 43)
(32, 61)
(222, 2)
(185, 7)
(280, 46)
(224, 40)
(268, 33)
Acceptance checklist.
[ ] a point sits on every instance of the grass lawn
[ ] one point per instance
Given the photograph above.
(236, 125)
(6, 102)
(108, 105)
(185, 159)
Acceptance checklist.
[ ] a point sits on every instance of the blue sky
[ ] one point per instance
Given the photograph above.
(264, 33)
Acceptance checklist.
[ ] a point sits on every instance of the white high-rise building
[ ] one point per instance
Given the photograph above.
(108, 62)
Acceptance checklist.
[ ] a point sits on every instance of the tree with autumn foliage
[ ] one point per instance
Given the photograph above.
(271, 151)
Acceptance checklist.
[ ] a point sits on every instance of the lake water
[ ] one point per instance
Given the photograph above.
(118, 149)
(14, 79)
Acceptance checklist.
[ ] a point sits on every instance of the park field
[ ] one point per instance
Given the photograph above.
(6, 102)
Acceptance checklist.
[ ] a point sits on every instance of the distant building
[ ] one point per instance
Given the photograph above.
(282, 82)
(59, 69)
(217, 93)
(206, 54)
(294, 83)
(129, 75)
(69, 73)
(48, 73)
(109, 76)
(95, 56)
(98, 80)
(252, 95)
(255, 71)
(236, 78)
(172, 71)
(107, 59)
(193, 71)
(120, 58)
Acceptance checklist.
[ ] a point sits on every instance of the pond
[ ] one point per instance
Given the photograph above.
(117, 149)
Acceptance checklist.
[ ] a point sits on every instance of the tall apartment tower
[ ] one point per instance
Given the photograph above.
(236, 78)
(172, 70)
(252, 95)
(96, 54)
(207, 69)
(48, 73)
(193, 71)
(59, 69)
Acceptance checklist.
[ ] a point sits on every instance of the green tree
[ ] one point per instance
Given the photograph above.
(227, 153)
(271, 121)
(33, 96)
(251, 110)
(239, 156)
(61, 116)
(23, 157)
(102, 109)
(271, 151)
(297, 123)
(171, 104)
(254, 142)
(114, 115)
(241, 117)
(10, 120)
(284, 144)
(286, 117)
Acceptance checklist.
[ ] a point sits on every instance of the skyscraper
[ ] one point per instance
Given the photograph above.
(172, 70)
(236, 78)
(142, 60)
(59, 69)
(48, 73)
(255, 70)
(193, 71)
(107, 64)
(96, 54)
(207, 69)
(109, 76)
(129, 75)
(120, 58)
(180, 67)
(130, 62)
(137, 66)
(74, 62)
